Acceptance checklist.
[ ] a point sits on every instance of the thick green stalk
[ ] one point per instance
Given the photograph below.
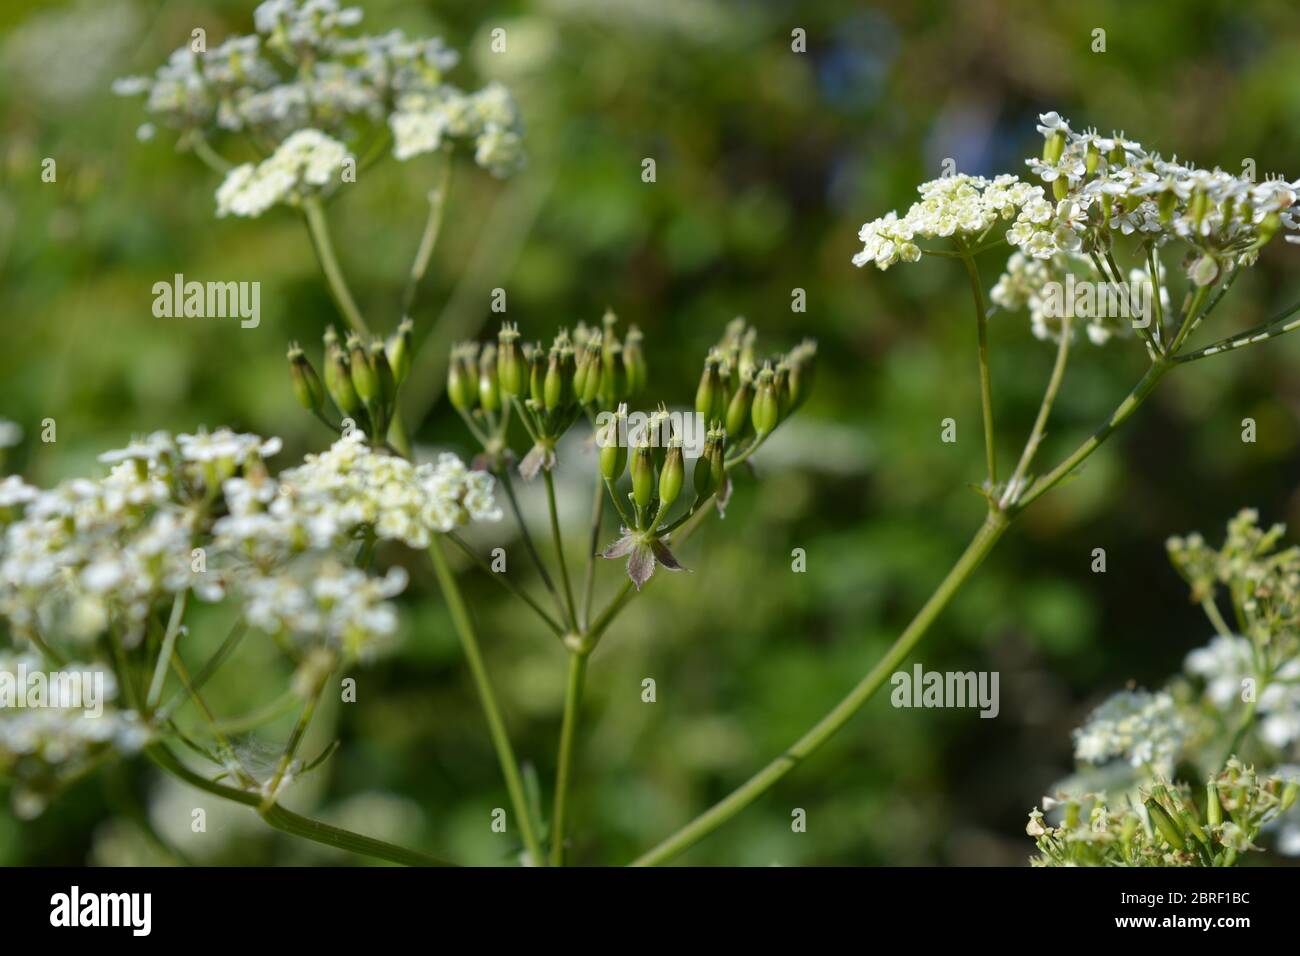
(989, 533)
(487, 697)
(564, 764)
(554, 510)
(329, 263)
(986, 383)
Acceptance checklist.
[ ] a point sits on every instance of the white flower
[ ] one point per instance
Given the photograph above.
(1142, 728)
(304, 163)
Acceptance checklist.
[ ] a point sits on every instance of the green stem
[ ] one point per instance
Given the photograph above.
(1044, 410)
(214, 160)
(994, 525)
(487, 698)
(168, 645)
(508, 484)
(505, 582)
(597, 518)
(1216, 617)
(986, 384)
(564, 764)
(1126, 408)
(1280, 324)
(295, 740)
(205, 673)
(329, 263)
(293, 823)
(551, 506)
(429, 238)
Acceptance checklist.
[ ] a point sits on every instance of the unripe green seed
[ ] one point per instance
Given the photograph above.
(705, 476)
(384, 377)
(643, 476)
(307, 386)
(591, 381)
(1213, 809)
(613, 446)
(737, 421)
(399, 351)
(510, 369)
(338, 382)
(462, 390)
(672, 476)
(537, 376)
(364, 379)
(489, 392)
(765, 412)
(1165, 824)
(706, 393)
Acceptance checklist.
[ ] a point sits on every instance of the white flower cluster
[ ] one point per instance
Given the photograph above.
(961, 206)
(1227, 662)
(40, 743)
(306, 68)
(321, 596)
(1139, 727)
(90, 554)
(1113, 183)
(306, 162)
(1048, 289)
(422, 121)
(325, 502)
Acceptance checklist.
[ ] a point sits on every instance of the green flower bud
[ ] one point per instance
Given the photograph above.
(338, 382)
(399, 351)
(1165, 824)
(613, 446)
(1092, 160)
(737, 421)
(634, 361)
(706, 394)
(384, 376)
(1213, 809)
(803, 361)
(307, 386)
(1053, 146)
(709, 466)
(643, 476)
(672, 476)
(537, 375)
(510, 369)
(1197, 206)
(765, 412)
(461, 388)
(364, 379)
(561, 376)
(489, 392)
(613, 381)
(591, 363)
(781, 382)
(1060, 187)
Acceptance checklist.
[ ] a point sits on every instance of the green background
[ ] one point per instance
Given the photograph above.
(768, 161)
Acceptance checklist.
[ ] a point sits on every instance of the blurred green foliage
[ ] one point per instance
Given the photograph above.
(767, 163)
